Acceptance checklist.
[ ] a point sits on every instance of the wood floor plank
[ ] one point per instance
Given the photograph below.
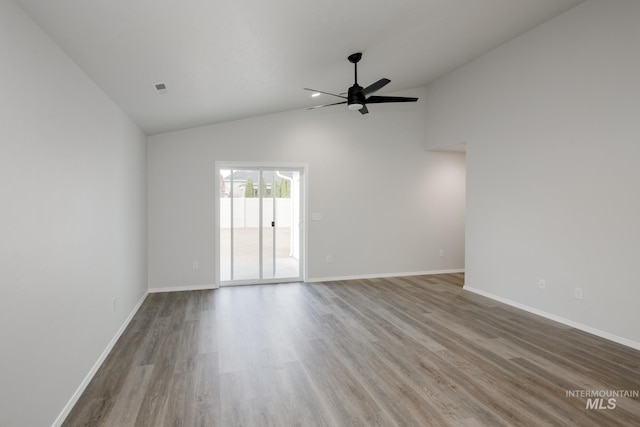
(402, 351)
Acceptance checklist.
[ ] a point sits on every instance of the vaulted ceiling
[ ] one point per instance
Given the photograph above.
(226, 60)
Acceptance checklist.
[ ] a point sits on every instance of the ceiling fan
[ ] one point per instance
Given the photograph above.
(358, 97)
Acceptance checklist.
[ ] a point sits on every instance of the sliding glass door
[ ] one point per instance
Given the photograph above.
(260, 211)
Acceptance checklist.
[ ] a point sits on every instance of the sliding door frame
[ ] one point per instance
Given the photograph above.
(268, 166)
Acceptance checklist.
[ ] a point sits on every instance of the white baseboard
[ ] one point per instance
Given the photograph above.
(309, 280)
(571, 323)
(183, 288)
(74, 399)
(383, 275)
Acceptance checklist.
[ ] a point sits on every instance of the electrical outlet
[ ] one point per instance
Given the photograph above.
(441, 253)
(196, 265)
(577, 293)
(113, 303)
(542, 284)
(328, 259)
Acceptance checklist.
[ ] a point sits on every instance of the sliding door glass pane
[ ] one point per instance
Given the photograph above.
(245, 225)
(268, 223)
(225, 194)
(287, 230)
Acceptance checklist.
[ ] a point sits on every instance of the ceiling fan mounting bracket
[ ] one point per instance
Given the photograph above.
(354, 58)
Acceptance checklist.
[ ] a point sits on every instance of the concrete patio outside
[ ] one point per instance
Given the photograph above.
(246, 250)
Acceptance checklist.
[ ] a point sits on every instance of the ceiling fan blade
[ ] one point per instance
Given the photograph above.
(383, 99)
(376, 86)
(364, 110)
(326, 93)
(326, 105)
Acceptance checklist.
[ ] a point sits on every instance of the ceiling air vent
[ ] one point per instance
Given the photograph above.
(161, 88)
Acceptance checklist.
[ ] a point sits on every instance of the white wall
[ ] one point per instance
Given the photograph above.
(551, 122)
(387, 205)
(72, 223)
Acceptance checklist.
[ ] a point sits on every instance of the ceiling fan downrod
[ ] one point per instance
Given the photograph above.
(354, 58)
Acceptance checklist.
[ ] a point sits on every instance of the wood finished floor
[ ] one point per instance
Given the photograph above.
(411, 351)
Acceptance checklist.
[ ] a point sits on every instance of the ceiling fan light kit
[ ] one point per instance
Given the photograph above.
(357, 97)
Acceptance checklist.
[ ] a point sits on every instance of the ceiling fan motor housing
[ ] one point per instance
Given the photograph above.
(355, 97)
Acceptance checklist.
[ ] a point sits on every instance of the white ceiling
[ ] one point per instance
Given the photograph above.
(225, 60)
